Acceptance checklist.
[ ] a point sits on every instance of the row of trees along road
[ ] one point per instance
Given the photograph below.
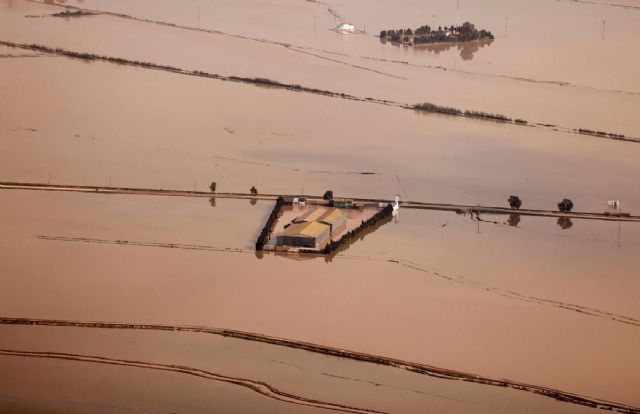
(253, 190)
(565, 206)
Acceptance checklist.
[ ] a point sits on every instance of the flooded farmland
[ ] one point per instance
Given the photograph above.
(159, 302)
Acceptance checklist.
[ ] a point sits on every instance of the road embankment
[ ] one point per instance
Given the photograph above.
(418, 205)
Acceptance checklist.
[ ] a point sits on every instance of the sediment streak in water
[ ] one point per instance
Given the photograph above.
(258, 386)
(509, 294)
(479, 115)
(415, 367)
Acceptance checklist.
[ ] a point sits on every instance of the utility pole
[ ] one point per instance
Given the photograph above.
(619, 222)
(506, 26)
(604, 23)
(198, 16)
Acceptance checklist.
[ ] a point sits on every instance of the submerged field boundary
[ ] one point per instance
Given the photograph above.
(301, 48)
(460, 279)
(418, 205)
(260, 387)
(415, 367)
(425, 107)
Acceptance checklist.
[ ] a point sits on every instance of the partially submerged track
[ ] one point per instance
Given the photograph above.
(415, 367)
(459, 208)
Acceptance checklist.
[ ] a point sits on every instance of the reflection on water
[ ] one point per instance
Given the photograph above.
(514, 220)
(565, 223)
(212, 201)
(467, 49)
(253, 201)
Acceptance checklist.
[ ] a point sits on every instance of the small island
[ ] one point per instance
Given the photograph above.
(424, 35)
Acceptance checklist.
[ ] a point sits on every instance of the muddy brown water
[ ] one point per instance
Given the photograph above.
(527, 72)
(115, 135)
(300, 373)
(540, 302)
(401, 309)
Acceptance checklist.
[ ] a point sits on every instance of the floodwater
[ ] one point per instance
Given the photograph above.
(296, 372)
(90, 130)
(528, 72)
(444, 296)
(530, 299)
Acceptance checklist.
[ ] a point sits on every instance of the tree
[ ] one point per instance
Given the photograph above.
(515, 202)
(565, 206)
(328, 195)
(254, 190)
(212, 187)
(383, 33)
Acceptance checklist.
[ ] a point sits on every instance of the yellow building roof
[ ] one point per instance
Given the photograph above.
(331, 216)
(312, 215)
(307, 229)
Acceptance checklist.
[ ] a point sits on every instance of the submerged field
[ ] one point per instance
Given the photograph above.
(539, 301)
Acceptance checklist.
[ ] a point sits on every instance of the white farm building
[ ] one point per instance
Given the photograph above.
(346, 27)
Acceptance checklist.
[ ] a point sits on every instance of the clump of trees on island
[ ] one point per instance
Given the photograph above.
(425, 35)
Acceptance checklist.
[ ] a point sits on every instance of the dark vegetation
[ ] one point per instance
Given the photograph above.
(565, 205)
(328, 195)
(425, 35)
(515, 202)
(429, 107)
(270, 224)
(69, 13)
(253, 190)
(149, 65)
(486, 115)
(213, 186)
(599, 133)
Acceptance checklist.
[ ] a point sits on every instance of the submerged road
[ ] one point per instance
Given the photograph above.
(458, 208)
